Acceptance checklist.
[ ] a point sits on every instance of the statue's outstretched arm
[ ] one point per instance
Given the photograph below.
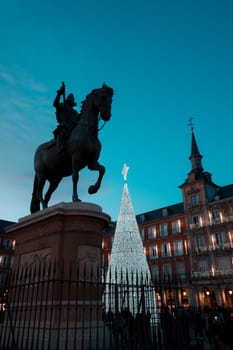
(60, 92)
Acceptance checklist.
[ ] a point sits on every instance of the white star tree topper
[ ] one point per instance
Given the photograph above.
(125, 171)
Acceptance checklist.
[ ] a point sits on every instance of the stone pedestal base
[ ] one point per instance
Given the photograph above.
(56, 299)
(67, 233)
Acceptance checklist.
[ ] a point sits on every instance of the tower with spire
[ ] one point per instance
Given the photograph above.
(197, 175)
(198, 192)
(128, 265)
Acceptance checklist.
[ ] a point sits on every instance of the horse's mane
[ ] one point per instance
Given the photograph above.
(84, 102)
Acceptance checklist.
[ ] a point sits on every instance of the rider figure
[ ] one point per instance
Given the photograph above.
(66, 116)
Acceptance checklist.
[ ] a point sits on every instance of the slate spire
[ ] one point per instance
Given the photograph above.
(195, 157)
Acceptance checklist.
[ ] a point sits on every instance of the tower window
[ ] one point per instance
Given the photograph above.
(216, 216)
(196, 222)
(199, 242)
(194, 200)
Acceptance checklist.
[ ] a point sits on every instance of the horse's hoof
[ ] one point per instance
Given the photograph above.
(92, 189)
(45, 206)
(76, 200)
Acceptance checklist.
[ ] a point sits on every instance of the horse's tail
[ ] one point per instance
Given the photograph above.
(35, 202)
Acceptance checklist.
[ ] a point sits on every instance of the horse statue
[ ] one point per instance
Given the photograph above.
(82, 149)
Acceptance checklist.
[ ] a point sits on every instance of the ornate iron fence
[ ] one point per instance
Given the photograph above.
(67, 307)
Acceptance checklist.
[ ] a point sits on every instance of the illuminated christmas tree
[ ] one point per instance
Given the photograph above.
(128, 268)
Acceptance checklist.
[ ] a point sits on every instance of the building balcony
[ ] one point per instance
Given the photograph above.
(213, 248)
(201, 250)
(212, 274)
(195, 226)
(204, 274)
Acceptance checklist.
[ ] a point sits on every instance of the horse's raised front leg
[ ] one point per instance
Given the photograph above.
(101, 169)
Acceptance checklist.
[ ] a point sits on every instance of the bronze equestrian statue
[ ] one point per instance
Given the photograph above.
(80, 147)
(66, 116)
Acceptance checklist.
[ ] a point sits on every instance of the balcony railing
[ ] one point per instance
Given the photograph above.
(215, 273)
(195, 226)
(213, 248)
(211, 222)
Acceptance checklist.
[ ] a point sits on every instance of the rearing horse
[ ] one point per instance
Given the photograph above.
(82, 149)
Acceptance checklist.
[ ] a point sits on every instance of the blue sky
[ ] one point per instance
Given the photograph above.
(165, 60)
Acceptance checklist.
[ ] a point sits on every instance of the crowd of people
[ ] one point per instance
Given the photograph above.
(199, 328)
(173, 329)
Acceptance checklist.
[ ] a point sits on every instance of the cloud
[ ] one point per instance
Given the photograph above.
(19, 78)
(6, 76)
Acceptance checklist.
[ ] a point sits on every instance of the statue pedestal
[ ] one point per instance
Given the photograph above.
(58, 251)
(66, 233)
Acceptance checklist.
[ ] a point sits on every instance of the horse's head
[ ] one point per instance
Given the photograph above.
(102, 100)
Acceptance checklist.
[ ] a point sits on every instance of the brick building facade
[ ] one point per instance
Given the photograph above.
(189, 245)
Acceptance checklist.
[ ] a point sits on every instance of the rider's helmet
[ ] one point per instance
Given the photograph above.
(70, 100)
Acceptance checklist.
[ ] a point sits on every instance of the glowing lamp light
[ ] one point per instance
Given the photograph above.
(230, 292)
(207, 292)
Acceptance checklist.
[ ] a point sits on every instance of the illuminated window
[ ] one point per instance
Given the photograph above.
(220, 238)
(151, 232)
(216, 216)
(166, 249)
(3, 261)
(196, 222)
(176, 226)
(199, 241)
